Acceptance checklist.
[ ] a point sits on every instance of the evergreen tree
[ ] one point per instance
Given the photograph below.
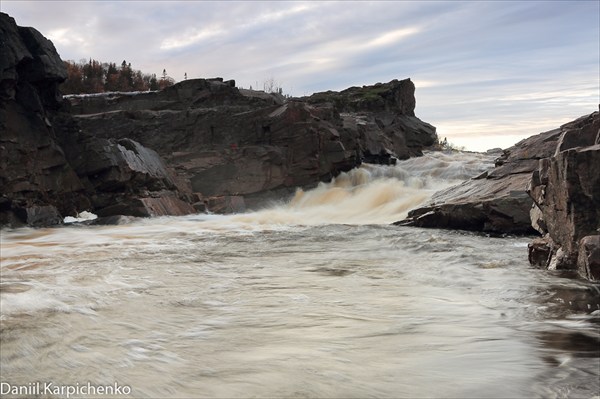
(93, 77)
(125, 77)
(165, 80)
(111, 82)
(138, 81)
(153, 82)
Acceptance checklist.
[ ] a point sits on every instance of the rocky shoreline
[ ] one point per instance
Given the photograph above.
(204, 144)
(548, 184)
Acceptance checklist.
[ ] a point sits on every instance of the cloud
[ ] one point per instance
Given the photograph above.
(280, 14)
(191, 36)
(238, 25)
(393, 37)
(64, 38)
(480, 68)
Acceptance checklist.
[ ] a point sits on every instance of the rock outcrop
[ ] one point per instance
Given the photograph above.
(200, 144)
(38, 183)
(565, 188)
(49, 169)
(226, 144)
(384, 118)
(548, 183)
(495, 202)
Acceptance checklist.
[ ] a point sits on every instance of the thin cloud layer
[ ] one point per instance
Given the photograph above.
(487, 73)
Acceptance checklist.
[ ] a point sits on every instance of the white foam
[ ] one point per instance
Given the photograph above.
(372, 194)
(81, 217)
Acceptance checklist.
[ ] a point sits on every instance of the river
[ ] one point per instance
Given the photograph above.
(315, 298)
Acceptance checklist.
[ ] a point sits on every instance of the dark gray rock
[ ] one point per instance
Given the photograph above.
(588, 260)
(48, 167)
(566, 190)
(226, 204)
(38, 184)
(163, 205)
(110, 220)
(540, 252)
(582, 132)
(42, 216)
(222, 142)
(112, 165)
(45, 63)
(14, 51)
(384, 118)
(396, 97)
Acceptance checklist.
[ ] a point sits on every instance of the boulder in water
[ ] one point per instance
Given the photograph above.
(226, 204)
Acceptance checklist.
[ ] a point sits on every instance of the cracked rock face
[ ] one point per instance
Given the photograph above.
(221, 141)
(38, 184)
(49, 169)
(566, 191)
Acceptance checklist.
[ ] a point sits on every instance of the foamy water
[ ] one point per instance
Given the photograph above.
(318, 297)
(374, 194)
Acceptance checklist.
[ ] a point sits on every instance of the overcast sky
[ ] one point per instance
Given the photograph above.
(487, 73)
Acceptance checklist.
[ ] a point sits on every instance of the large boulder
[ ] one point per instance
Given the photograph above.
(494, 202)
(566, 191)
(127, 179)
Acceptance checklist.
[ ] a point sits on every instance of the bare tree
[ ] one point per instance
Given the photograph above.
(271, 86)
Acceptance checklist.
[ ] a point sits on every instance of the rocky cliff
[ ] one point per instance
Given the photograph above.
(565, 188)
(38, 183)
(199, 144)
(49, 168)
(228, 144)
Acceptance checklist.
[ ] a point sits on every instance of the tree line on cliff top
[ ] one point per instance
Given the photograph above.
(85, 77)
